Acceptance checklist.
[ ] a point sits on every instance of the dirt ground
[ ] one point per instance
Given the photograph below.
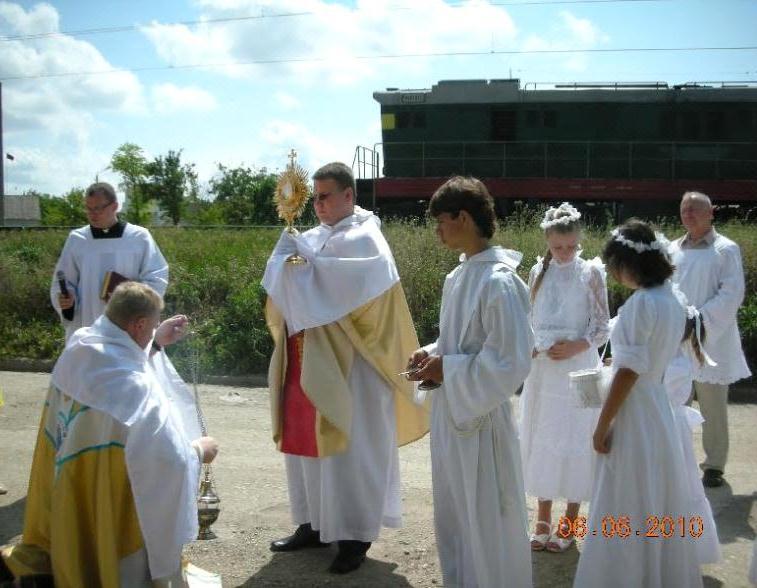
(254, 508)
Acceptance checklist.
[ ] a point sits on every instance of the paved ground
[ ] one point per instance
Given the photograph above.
(252, 486)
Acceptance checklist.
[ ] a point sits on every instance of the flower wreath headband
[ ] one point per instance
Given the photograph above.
(659, 244)
(550, 220)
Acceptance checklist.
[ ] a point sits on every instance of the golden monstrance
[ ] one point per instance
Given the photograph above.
(291, 196)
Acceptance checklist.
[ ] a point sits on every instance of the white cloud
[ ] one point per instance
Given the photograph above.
(569, 32)
(48, 170)
(325, 44)
(170, 98)
(286, 101)
(583, 30)
(61, 105)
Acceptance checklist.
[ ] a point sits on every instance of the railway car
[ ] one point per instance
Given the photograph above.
(634, 146)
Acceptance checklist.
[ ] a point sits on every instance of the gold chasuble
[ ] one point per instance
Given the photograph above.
(81, 520)
(382, 332)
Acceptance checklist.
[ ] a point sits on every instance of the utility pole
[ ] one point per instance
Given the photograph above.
(2, 164)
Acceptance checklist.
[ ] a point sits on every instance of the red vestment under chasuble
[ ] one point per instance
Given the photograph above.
(298, 423)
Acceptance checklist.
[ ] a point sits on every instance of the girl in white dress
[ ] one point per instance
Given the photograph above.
(570, 319)
(638, 533)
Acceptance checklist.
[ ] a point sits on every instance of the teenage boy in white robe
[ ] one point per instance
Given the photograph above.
(482, 356)
(710, 273)
(106, 244)
(342, 331)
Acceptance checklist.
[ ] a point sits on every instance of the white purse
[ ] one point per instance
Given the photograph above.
(590, 387)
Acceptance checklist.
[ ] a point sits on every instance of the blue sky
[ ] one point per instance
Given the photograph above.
(62, 131)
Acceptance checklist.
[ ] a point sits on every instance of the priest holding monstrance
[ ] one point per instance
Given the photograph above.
(342, 331)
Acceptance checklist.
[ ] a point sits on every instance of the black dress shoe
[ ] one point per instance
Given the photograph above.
(713, 478)
(5, 574)
(303, 538)
(350, 557)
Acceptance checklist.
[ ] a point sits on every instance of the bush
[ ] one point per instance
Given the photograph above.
(215, 279)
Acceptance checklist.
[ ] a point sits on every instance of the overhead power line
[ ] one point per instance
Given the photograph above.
(290, 60)
(262, 16)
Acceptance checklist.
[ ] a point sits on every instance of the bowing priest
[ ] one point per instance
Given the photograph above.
(97, 257)
(482, 356)
(342, 331)
(112, 494)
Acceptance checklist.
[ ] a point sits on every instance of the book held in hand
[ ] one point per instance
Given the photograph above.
(111, 280)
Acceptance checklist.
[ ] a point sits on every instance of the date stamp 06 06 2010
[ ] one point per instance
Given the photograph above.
(621, 527)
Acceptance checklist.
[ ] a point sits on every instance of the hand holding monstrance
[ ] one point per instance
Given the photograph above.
(291, 196)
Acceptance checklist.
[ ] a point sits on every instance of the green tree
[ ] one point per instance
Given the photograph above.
(130, 162)
(245, 195)
(171, 183)
(63, 211)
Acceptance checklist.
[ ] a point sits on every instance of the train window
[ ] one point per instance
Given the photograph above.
(715, 125)
(690, 124)
(667, 125)
(407, 120)
(550, 119)
(503, 125)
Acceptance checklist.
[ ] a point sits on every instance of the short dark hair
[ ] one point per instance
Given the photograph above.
(648, 268)
(468, 194)
(101, 189)
(340, 173)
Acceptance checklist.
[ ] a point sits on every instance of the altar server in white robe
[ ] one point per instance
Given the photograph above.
(710, 273)
(113, 489)
(106, 244)
(641, 469)
(482, 355)
(339, 408)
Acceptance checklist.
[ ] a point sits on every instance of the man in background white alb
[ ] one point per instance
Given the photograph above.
(107, 244)
(710, 273)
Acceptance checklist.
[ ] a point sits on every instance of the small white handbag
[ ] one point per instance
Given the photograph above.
(590, 387)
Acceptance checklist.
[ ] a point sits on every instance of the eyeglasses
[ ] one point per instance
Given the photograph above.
(96, 209)
(321, 196)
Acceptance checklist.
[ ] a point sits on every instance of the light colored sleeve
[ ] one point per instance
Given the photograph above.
(630, 344)
(598, 329)
(477, 383)
(154, 268)
(720, 311)
(67, 264)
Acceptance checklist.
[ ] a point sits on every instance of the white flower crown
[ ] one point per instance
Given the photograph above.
(549, 220)
(659, 244)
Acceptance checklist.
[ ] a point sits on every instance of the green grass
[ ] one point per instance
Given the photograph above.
(216, 273)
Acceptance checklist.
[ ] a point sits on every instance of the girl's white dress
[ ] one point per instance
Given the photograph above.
(678, 380)
(644, 474)
(556, 435)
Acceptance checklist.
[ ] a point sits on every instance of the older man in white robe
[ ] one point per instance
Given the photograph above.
(342, 331)
(482, 355)
(113, 487)
(710, 273)
(98, 256)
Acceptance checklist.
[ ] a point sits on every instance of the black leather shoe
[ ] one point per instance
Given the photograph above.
(350, 557)
(303, 538)
(713, 478)
(5, 574)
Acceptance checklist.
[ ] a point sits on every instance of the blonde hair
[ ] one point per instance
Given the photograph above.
(131, 301)
(553, 225)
